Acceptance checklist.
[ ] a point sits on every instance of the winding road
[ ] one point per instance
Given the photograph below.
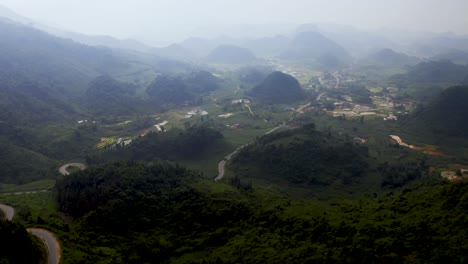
(320, 96)
(222, 163)
(63, 169)
(8, 210)
(50, 241)
(54, 252)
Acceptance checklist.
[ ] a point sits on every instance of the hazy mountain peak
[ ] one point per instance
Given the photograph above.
(12, 15)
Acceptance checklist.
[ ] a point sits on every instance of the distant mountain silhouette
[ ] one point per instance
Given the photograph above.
(432, 72)
(441, 43)
(312, 46)
(8, 14)
(278, 88)
(267, 46)
(357, 42)
(174, 51)
(454, 55)
(389, 58)
(230, 54)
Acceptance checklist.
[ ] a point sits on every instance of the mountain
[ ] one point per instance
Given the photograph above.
(267, 46)
(446, 115)
(454, 55)
(42, 81)
(60, 64)
(251, 76)
(182, 88)
(106, 41)
(230, 54)
(8, 14)
(201, 47)
(310, 46)
(278, 88)
(169, 89)
(98, 40)
(440, 73)
(440, 43)
(200, 82)
(174, 51)
(359, 43)
(389, 58)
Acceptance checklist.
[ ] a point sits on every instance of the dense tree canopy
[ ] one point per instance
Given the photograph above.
(17, 246)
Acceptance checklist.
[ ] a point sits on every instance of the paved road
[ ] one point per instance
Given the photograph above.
(8, 210)
(52, 245)
(222, 163)
(320, 96)
(63, 169)
(276, 128)
(301, 109)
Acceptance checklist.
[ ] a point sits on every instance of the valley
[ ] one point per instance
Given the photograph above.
(316, 144)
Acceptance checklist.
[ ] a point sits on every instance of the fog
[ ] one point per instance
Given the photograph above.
(163, 21)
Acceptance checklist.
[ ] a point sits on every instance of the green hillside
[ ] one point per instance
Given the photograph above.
(430, 73)
(389, 58)
(303, 156)
(17, 246)
(278, 88)
(136, 213)
(106, 96)
(446, 115)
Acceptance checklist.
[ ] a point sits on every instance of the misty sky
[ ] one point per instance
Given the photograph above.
(171, 20)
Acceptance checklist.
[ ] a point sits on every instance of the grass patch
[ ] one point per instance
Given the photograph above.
(30, 207)
(32, 186)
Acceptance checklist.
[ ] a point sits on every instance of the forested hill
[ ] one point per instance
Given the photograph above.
(42, 76)
(59, 64)
(446, 115)
(138, 213)
(182, 88)
(389, 58)
(174, 145)
(303, 156)
(431, 73)
(278, 88)
(107, 96)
